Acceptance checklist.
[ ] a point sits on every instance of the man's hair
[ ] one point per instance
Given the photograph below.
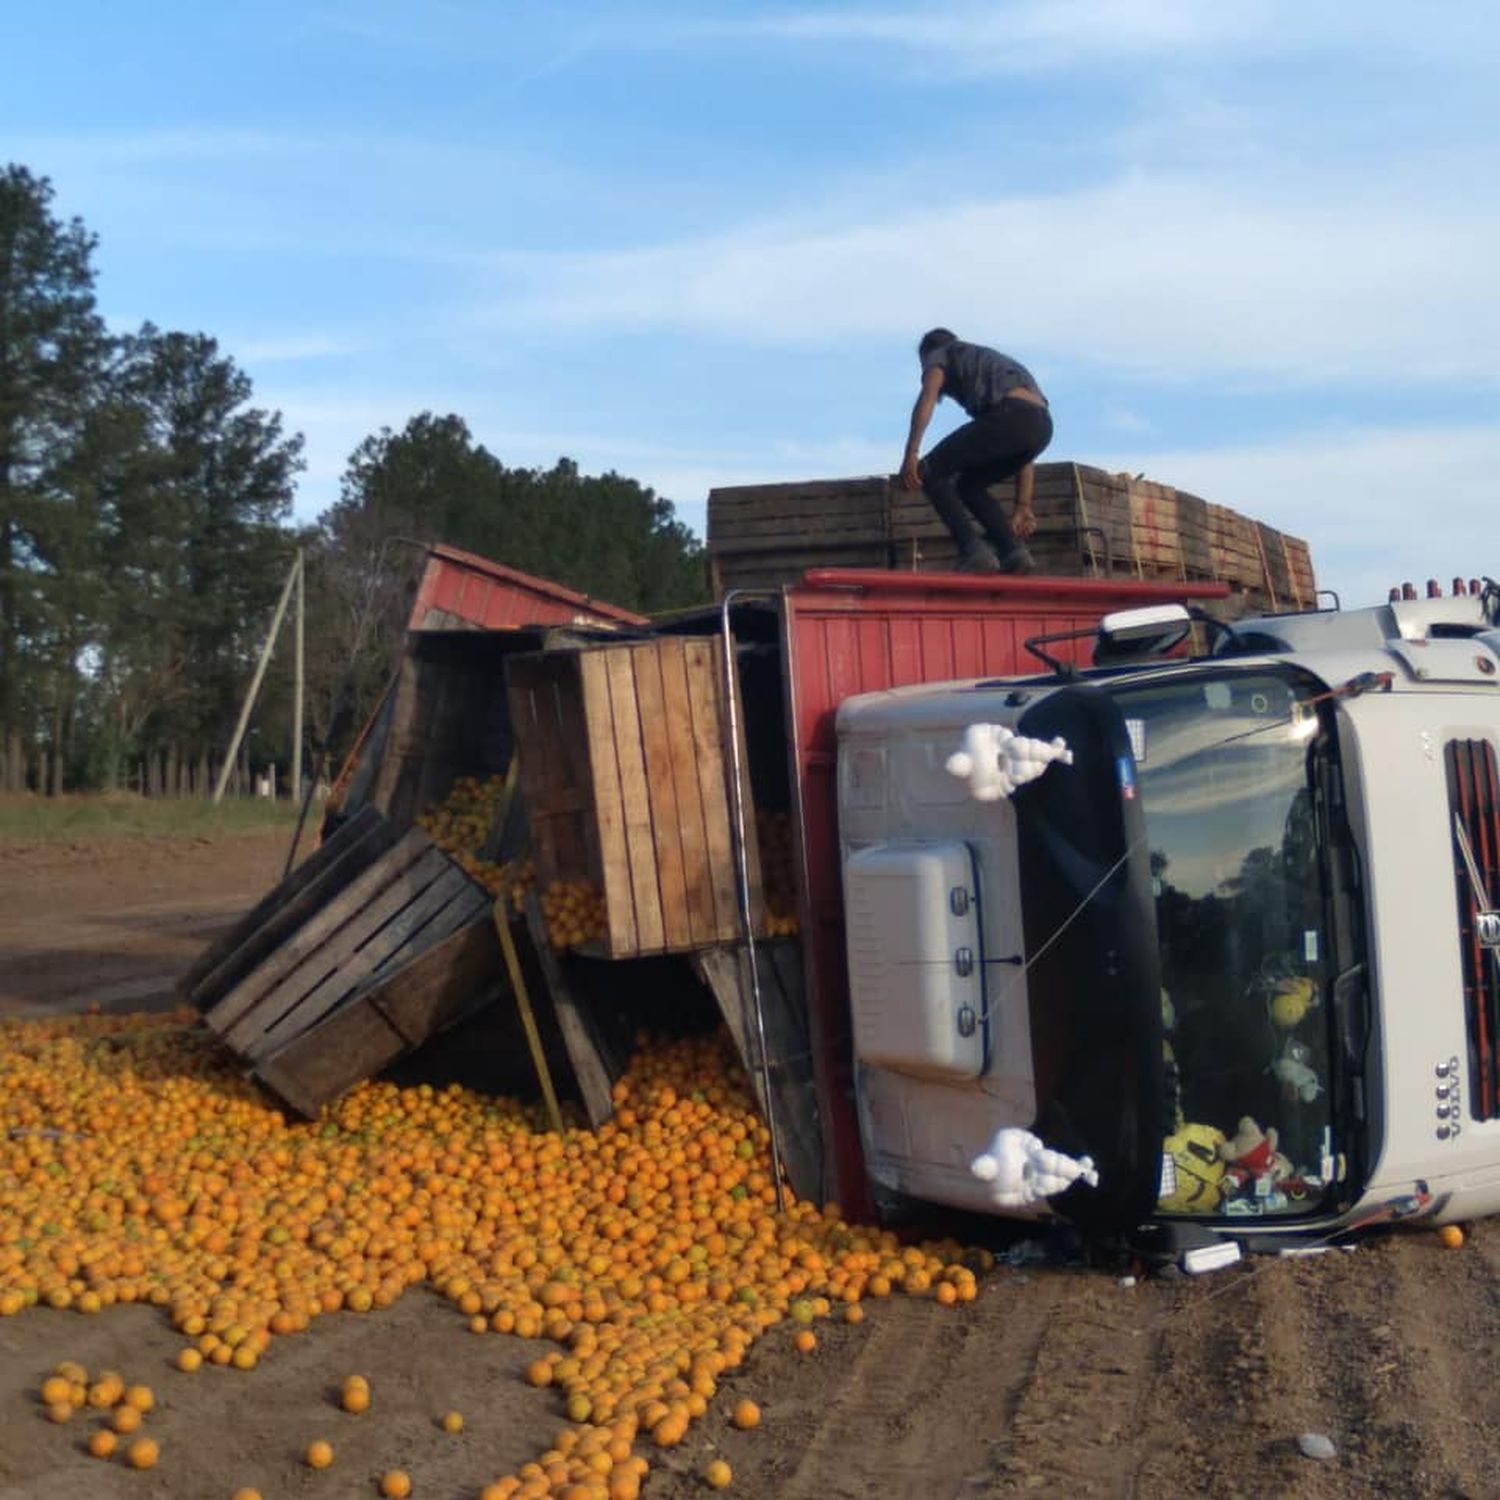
(935, 338)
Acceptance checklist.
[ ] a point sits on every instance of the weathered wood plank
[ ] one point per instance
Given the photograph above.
(609, 802)
(698, 889)
(343, 908)
(465, 907)
(657, 732)
(702, 664)
(593, 1067)
(635, 802)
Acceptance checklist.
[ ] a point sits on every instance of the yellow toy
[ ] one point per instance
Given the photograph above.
(1291, 1000)
(1197, 1168)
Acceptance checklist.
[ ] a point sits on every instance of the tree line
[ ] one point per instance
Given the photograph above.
(146, 530)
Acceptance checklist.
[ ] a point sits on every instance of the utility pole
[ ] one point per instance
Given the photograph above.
(255, 682)
(299, 634)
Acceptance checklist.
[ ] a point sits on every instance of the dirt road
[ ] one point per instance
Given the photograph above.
(112, 921)
(1054, 1382)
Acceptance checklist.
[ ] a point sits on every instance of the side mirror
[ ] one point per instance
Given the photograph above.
(1132, 633)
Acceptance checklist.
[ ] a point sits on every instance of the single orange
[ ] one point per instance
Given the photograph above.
(1450, 1236)
(318, 1454)
(395, 1484)
(143, 1453)
(805, 1341)
(718, 1474)
(103, 1443)
(55, 1389)
(451, 1421)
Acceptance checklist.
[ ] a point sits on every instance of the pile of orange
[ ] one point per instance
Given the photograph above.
(575, 912)
(137, 1166)
(460, 826)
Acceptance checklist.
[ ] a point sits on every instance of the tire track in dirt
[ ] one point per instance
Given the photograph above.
(1413, 1369)
(1077, 1411)
(926, 1397)
(1387, 1350)
(1236, 1379)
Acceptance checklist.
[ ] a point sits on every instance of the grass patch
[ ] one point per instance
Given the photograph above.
(124, 815)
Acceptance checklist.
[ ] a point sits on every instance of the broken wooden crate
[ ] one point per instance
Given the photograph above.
(362, 953)
(622, 769)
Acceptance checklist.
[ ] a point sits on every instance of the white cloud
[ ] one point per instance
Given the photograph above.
(1299, 281)
(1016, 37)
(1020, 36)
(1378, 506)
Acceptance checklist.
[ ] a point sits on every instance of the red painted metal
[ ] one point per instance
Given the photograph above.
(856, 631)
(493, 597)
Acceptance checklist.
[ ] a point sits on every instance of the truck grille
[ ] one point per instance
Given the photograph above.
(1474, 795)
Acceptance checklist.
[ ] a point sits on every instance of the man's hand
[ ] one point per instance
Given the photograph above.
(921, 414)
(1023, 521)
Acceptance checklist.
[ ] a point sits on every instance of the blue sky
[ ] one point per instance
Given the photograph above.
(1248, 248)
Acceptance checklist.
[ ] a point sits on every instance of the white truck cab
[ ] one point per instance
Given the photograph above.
(1236, 942)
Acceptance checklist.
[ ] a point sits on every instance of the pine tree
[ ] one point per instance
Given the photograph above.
(52, 347)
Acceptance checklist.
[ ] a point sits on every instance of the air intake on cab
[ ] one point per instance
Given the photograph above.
(1474, 796)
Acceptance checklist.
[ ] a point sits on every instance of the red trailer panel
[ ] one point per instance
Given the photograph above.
(460, 590)
(855, 631)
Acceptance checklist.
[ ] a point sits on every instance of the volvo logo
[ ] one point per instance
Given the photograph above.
(1487, 928)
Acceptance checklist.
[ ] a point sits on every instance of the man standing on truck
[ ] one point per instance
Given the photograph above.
(1009, 426)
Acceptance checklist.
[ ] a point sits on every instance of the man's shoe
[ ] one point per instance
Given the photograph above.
(978, 558)
(1019, 561)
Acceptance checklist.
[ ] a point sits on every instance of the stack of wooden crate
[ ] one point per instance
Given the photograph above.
(1090, 523)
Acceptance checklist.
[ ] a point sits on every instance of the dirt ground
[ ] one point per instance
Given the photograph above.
(1054, 1382)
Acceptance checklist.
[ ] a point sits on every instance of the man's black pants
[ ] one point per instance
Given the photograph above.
(959, 471)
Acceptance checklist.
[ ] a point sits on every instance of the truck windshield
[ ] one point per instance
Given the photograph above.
(1223, 770)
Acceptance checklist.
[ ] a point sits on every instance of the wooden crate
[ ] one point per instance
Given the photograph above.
(765, 535)
(844, 511)
(408, 900)
(393, 1012)
(623, 774)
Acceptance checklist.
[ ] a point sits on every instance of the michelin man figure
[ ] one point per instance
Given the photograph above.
(1022, 1171)
(995, 760)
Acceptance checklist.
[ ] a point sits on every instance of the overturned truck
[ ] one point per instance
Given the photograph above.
(1006, 909)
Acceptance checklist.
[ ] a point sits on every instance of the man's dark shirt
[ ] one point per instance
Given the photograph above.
(977, 377)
